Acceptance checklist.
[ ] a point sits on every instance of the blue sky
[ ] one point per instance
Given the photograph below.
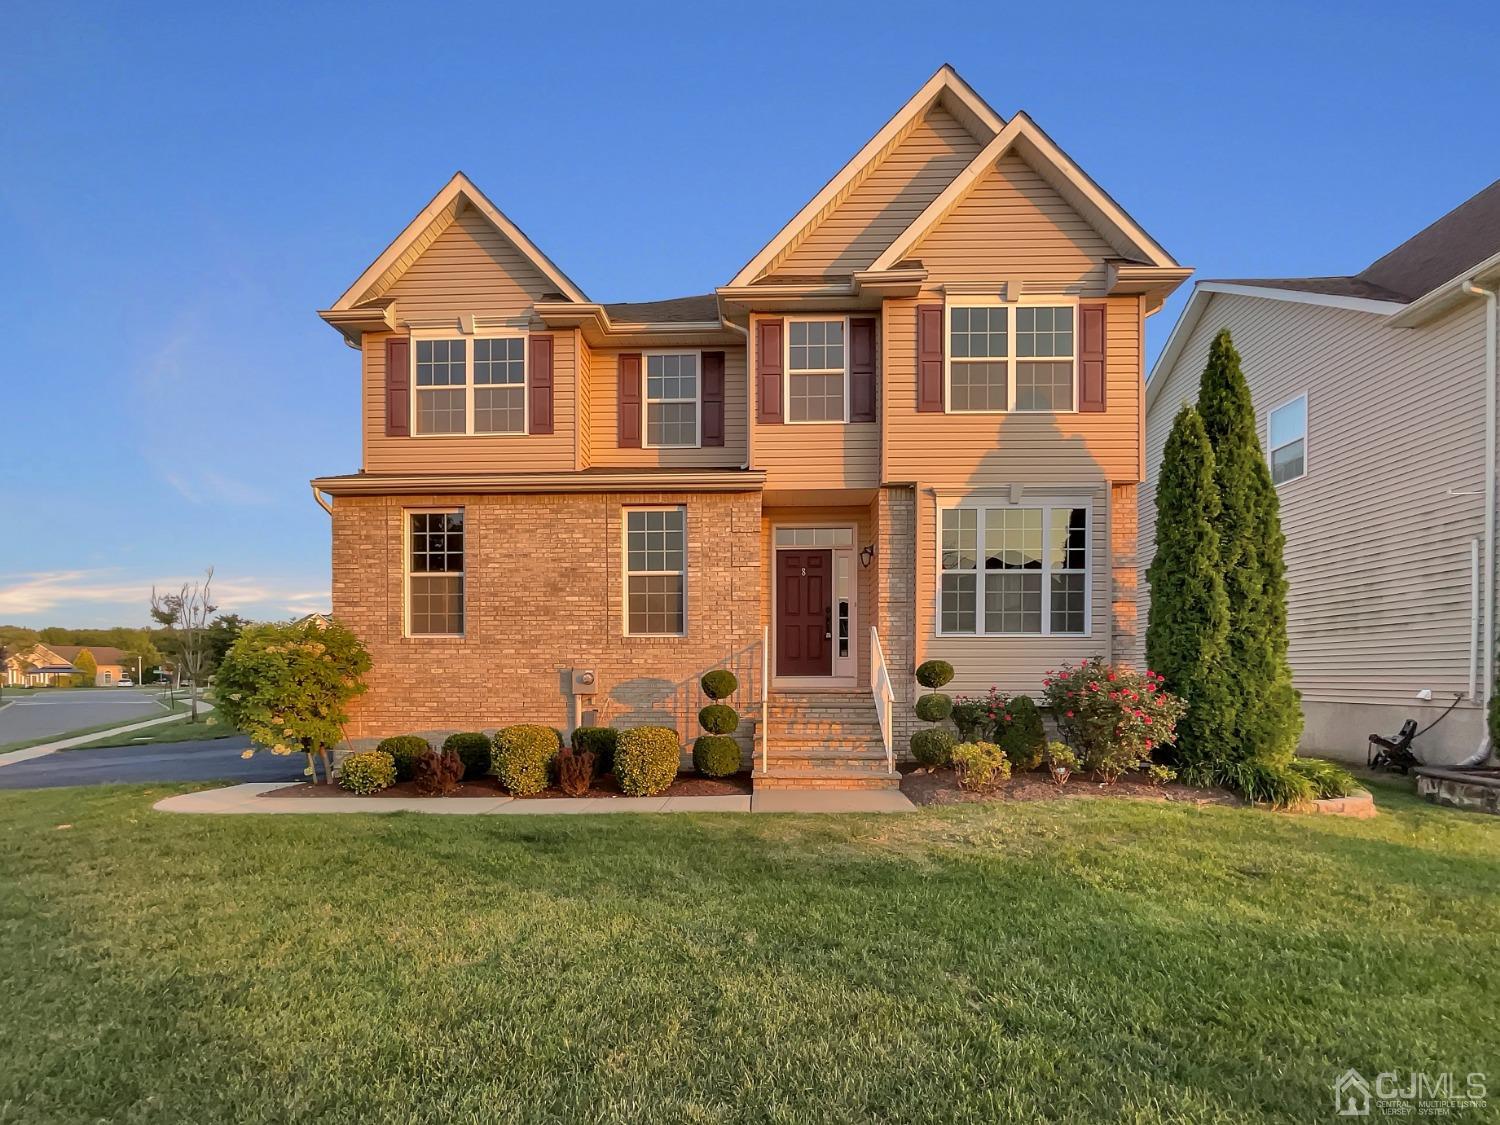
(184, 185)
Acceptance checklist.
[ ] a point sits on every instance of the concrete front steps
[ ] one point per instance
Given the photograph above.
(824, 741)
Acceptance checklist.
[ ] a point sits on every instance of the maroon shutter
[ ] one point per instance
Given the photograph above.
(398, 387)
(540, 378)
(713, 398)
(862, 369)
(768, 371)
(1091, 359)
(629, 426)
(930, 358)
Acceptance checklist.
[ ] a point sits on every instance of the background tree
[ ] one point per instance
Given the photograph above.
(222, 632)
(88, 669)
(1187, 631)
(1268, 720)
(287, 687)
(185, 616)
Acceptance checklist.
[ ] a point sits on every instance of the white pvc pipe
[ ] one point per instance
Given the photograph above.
(1473, 618)
(1491, 327)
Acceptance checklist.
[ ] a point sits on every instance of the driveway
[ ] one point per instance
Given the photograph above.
(63, 710)
(215, 760)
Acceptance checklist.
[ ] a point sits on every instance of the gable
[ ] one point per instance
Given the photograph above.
(470, 267)
(916, 170)
(1013, 223)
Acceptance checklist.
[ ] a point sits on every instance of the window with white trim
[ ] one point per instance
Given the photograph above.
(1286, 434)
(655, 571)
(435, 574)
(1011, 570)
(672, 398)
(464, 389)
(983, 352)
(816, 370)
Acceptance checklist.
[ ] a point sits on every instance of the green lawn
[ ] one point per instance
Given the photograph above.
(208, 726)
(1068, 961)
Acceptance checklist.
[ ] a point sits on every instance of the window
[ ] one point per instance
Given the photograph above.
(464, 390)
(1287, 434)
(655, 571)
(435, 574)
(815, 368)
(1014, 570)
(672, 398)
(982, 352)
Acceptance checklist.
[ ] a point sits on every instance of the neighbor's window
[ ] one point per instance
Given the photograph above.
(655, 571)
(1287, 433)
(815, 371)
(471, 390)
(435, 574)
(982, 352)
(1014, 570)
(672, 399)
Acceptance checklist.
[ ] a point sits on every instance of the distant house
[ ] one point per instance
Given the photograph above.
(48, 665)
(1375, 395)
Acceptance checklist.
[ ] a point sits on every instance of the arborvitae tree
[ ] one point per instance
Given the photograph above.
(88, 668)
(1187, 632)
(1269, 715)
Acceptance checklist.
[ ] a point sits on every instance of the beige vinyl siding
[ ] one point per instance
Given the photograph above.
(603, 432)
(882, 205)
(962, 449)
(1377, 544)
(585, 425)
(470, 268)
(1015, 224)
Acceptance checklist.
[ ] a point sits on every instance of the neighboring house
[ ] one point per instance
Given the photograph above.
(46, 665)
(910, 427)
(1375, 398)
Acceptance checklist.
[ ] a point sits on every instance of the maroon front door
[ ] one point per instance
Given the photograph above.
(804, 613)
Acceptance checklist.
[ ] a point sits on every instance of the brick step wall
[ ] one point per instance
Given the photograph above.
(780, 779)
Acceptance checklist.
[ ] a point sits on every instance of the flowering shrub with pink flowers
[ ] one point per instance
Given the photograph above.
(1112, 717)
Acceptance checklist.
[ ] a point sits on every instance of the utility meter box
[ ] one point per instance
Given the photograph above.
(583, 681)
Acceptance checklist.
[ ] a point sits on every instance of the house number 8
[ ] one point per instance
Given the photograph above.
(804, 572)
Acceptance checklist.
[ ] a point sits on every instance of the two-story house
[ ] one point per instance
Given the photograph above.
(909, 428)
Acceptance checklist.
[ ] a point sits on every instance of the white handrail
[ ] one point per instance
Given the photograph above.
(885, 698)
(765, 691)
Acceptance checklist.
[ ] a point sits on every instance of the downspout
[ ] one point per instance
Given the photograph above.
(1480, 756)
(318, 496)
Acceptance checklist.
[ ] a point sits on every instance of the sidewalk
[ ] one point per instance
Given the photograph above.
(249, 798)
(94, 736)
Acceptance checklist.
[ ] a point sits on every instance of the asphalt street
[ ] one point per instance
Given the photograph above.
(62, 710)
(215, 760)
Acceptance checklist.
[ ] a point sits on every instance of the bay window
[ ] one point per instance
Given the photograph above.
(1013, 570)
(992, 369)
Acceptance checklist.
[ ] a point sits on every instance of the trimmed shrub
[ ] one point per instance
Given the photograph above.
(646, 760)
(404, 750)
(1113, 717)
(368, 772)
(600, 742)
(575, 771)
(971, 717)
(933, 674)
(933, 747)
(438, 774)
(1060, 761)
(474, 749)
(1328, 780)
(716, 755)
(719, 718)
(522, 757)
(981, 766)
(721, 683)
(1019, 732)
(934, 707)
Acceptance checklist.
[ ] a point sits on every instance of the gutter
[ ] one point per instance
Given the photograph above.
(1491, 328)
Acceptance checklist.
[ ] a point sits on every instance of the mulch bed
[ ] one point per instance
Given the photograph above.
(940, 787)
(686, 785)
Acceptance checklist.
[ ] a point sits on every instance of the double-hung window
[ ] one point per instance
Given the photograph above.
(1286, 433)
(817, 371)
(1010, 570)
(435, 574)
(672, 398)
(655, 571)
(986, 348)
(470, 385)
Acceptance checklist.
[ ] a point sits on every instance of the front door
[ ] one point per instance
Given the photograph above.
(804, 613)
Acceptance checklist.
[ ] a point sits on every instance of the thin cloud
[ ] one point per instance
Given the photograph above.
(38, 594)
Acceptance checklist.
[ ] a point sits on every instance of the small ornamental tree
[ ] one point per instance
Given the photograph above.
(88, 668)
(933, 707)
(287, 687)
(716, 753)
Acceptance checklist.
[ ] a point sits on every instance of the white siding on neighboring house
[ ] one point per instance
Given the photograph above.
(1379, 529)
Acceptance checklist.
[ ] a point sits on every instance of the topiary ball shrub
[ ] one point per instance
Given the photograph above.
(1019, 732)
(368, 772)
(404, 750)
(716, 755)
(981, 766)
(932, 747)
(522, 758)
(719, 718)
(600, 742)
(933, 674)
(474, 749)
(934, 707)
(646, 760)
(719, 684)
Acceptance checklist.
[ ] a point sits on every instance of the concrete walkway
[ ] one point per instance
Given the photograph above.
(94, 736)
(251, 798)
